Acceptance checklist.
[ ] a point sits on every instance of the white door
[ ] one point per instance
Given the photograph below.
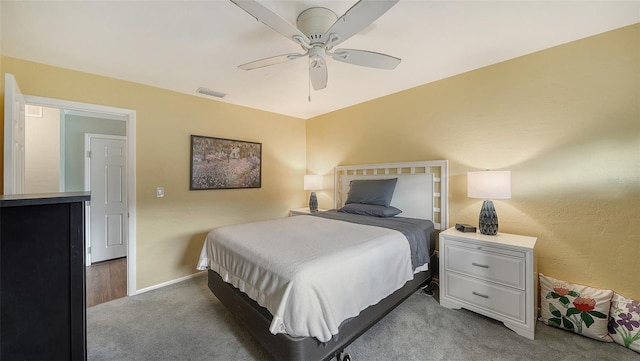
(14, 143)
(108, 209)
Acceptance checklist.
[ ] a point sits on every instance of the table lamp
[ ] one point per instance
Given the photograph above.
(313, 182)
(489, 185)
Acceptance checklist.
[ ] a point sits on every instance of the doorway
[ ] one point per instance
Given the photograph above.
(129, 117)
(105, 175)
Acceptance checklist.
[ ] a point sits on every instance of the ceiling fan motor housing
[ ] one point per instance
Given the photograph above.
(314, 23)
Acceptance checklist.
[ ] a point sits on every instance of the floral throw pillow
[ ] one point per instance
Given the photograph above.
(624, 322)
(573, 307)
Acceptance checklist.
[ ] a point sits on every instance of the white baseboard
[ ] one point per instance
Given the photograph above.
(168, 283)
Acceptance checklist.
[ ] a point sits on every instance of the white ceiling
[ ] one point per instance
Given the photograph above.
(184, 45)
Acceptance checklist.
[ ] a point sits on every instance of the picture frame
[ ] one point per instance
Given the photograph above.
(219, 163)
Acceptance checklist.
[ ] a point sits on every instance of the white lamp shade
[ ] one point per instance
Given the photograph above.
(489, 184)
(312, 182)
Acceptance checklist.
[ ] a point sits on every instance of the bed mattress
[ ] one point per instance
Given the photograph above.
(312, 273)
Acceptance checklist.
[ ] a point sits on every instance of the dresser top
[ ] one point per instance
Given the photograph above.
(34, 199)
(499, 239)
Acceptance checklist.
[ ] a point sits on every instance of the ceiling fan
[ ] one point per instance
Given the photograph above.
(318, 31)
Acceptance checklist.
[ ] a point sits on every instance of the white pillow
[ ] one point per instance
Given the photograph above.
(624, 322)
(574, 307)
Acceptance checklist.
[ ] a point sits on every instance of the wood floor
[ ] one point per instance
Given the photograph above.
(106, 281)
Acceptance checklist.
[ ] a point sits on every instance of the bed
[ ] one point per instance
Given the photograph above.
(307, 286)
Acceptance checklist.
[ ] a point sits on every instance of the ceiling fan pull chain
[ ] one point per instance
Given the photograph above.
(309, 83)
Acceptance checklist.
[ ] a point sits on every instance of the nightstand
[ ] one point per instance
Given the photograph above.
(492, 275)
(302, 211)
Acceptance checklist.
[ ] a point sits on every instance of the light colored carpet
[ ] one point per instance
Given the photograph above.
(185, 321)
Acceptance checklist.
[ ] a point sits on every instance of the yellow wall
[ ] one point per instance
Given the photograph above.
(170, 230)
(565, 121)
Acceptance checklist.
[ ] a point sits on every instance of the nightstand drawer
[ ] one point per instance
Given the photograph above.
(505, 301)
(487, 263)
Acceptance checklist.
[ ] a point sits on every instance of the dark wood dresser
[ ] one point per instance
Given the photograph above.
(42, 280)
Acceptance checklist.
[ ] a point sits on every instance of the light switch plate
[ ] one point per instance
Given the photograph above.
(160, 192)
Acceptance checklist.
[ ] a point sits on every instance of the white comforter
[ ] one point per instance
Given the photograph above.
(311, 273)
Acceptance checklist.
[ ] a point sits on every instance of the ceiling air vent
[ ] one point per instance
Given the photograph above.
(210, 92)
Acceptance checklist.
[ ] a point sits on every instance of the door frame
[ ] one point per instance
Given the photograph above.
(129, 116)
(13, 163)
(87, 187)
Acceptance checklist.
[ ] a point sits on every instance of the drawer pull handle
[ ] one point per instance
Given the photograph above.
(480, 265)
(479, 294)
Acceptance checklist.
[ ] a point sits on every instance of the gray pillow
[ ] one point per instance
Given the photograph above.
(371, 191)
(370, 210)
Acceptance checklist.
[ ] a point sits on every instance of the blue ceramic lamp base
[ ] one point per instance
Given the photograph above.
(488, 220)
(313, 202)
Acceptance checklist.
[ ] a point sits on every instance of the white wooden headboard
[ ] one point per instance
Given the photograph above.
(421, 190)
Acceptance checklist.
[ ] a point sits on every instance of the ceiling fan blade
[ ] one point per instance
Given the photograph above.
(318, 73)
(270, 61)
(358, 17)
(366, 58)
(272, 20)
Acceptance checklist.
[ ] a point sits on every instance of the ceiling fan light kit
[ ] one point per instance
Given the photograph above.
(317, 31)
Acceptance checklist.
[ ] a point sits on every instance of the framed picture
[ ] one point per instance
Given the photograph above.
(218, 163)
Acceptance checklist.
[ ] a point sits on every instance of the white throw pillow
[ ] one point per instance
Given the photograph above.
(574, 307)
(624, 322)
